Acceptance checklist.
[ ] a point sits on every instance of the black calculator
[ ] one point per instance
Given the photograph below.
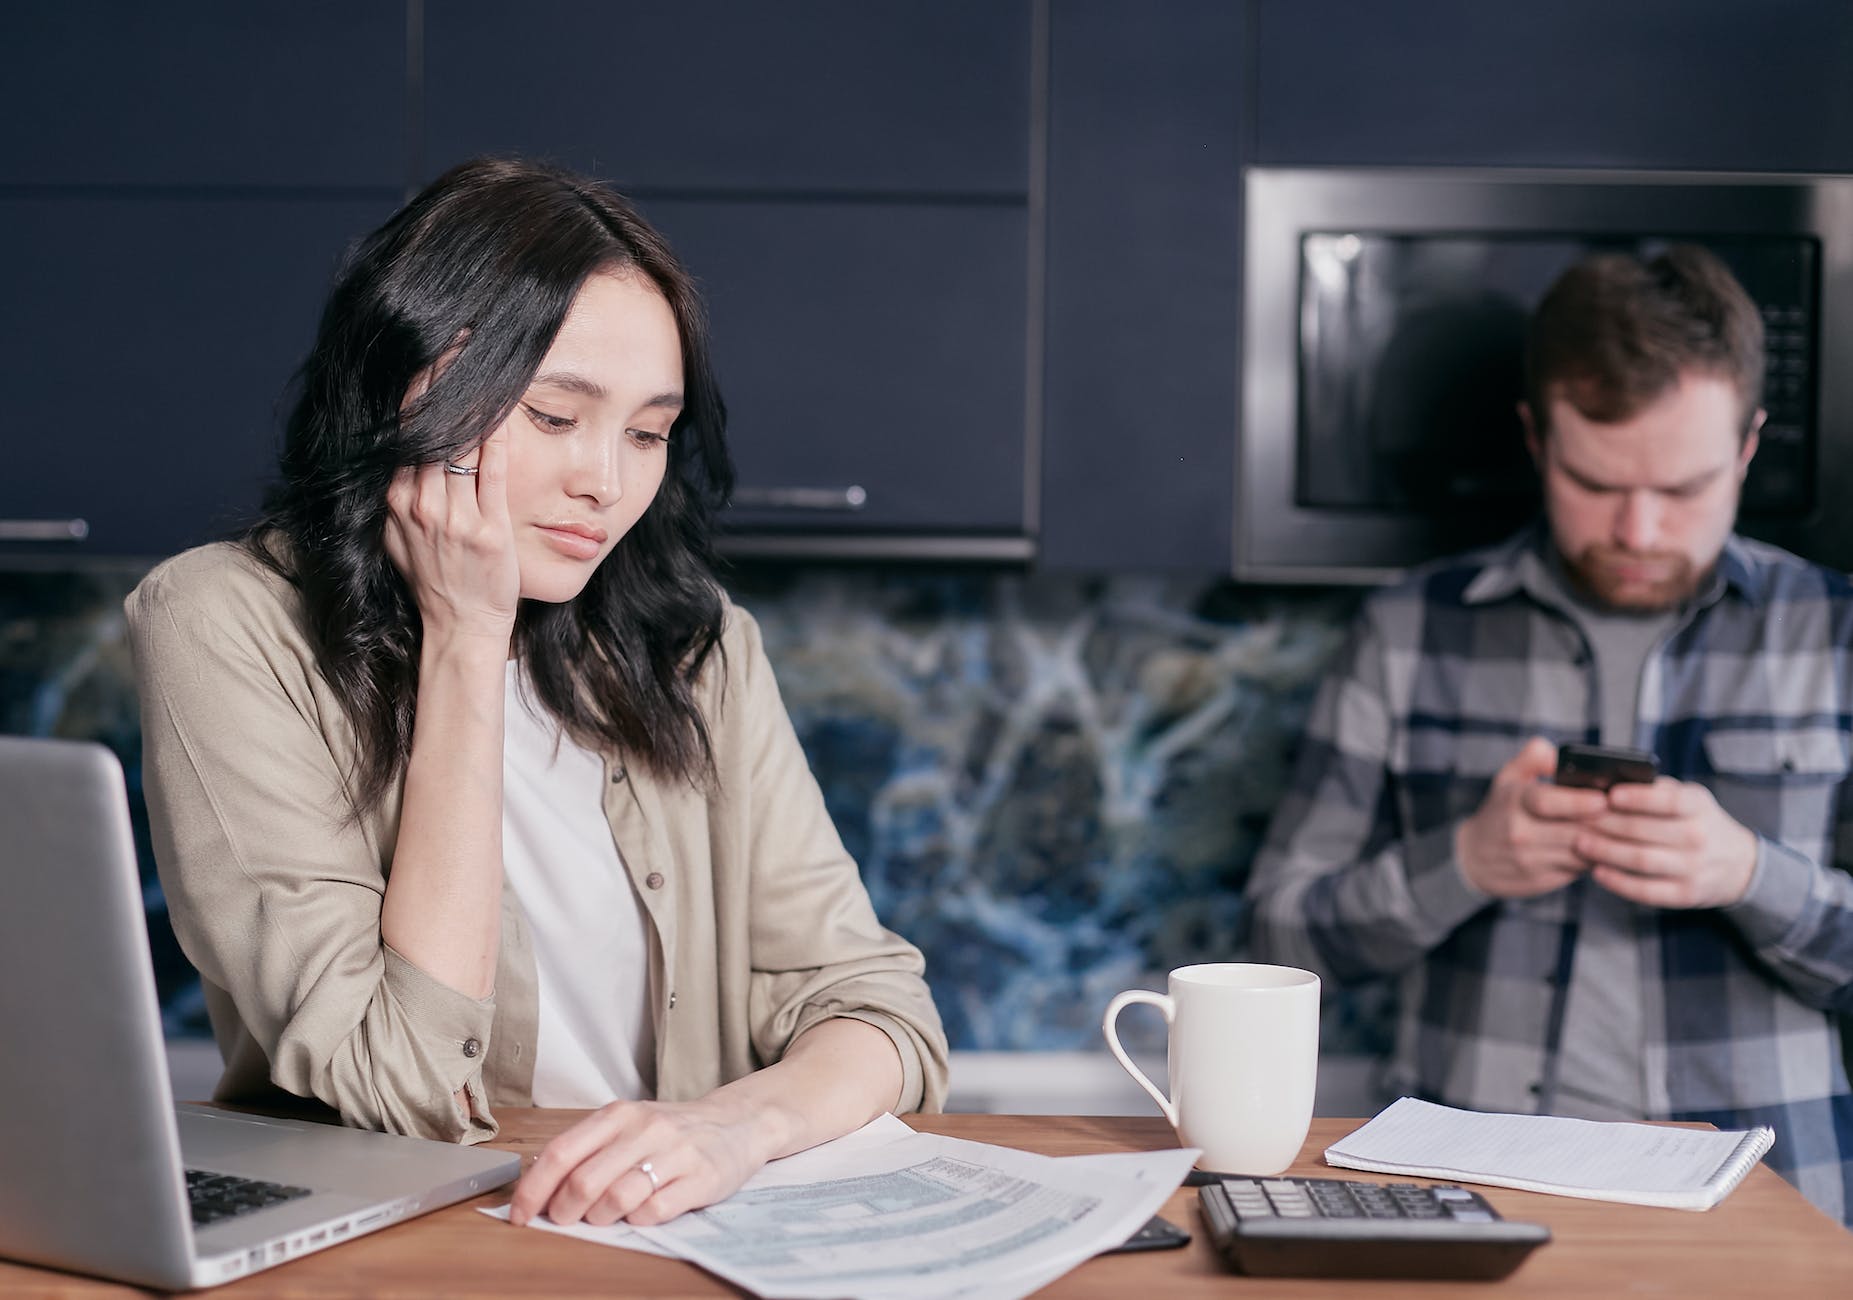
(1334, 1227)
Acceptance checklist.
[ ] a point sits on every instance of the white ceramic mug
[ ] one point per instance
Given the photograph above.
(1243, 1055)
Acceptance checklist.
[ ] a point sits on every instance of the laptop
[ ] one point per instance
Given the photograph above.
(100, 1172)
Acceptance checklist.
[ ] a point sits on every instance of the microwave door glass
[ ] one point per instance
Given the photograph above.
(1411, 368)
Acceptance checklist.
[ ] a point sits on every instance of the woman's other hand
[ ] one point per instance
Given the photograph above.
(699, 1152)
(835, 1077)
(449, 535)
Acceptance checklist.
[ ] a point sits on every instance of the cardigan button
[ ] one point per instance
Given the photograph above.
(654, 880)
(471, 1047)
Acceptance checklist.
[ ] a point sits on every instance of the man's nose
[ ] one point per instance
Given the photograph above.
(1638, 521)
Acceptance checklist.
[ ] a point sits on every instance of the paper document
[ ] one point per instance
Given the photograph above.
(1644, 1164)
(923, 1216)
(887, 1212)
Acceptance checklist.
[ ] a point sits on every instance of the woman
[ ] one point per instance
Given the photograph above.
(469, 788)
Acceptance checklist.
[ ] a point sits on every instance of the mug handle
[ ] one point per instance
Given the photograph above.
(1121, 1001)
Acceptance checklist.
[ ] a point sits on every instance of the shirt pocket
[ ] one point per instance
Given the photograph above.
(1759, 754)
(1782, 784)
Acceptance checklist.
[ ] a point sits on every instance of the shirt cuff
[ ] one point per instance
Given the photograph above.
(452, 1029)
(1438, 884)
(1776, 896)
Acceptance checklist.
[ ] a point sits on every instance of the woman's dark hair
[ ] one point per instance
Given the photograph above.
(480, 269)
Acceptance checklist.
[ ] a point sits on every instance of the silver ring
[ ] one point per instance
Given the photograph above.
(655, 1183)
(468, 471)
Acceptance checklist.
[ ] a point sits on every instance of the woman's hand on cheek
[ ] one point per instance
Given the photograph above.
(449, 536)
(700, 1152)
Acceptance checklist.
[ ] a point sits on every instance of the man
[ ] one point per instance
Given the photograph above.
(1677, 950)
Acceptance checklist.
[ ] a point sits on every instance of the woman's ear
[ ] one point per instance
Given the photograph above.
(422, 381)
(420, 385)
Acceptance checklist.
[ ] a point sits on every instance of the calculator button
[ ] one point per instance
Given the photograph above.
(1453, 1194)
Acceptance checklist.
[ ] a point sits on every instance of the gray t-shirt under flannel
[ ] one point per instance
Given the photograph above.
(1600, 1064)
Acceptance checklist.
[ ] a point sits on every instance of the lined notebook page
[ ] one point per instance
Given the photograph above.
(1641, 1163)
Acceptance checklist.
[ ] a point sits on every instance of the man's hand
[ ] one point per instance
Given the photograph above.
(1669, 844)
(1521, 841)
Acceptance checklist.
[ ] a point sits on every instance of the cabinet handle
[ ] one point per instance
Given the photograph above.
(44, 530)
(802, 498)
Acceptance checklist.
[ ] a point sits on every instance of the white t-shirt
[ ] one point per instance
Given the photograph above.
(596, 1041)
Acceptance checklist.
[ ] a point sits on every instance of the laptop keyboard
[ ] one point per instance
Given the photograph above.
(217, 1197)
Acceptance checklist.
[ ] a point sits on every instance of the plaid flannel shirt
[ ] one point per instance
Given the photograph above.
(1443, 679)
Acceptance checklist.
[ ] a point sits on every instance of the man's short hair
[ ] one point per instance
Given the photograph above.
(1615, 333)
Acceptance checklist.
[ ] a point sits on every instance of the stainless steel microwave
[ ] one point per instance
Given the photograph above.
(1383, 323)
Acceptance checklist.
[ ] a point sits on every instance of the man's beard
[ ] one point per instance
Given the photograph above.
(1599, 572)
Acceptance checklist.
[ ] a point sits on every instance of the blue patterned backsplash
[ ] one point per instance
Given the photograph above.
(1054, 784)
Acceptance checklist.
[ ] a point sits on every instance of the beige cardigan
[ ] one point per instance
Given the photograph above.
(759, 924)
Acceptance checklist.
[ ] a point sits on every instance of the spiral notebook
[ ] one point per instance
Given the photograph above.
(1643, 1164)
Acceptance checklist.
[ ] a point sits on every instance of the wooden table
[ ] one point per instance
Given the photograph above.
(1764, 1240)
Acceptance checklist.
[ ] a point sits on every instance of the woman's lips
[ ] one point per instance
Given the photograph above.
(575, 542)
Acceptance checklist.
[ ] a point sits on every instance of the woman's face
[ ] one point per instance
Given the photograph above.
(589, 440)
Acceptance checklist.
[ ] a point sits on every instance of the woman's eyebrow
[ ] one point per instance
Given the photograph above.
(572, 382)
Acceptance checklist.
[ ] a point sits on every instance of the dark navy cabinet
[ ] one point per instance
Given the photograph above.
(868, 347)
(148, 343)
(212, 93)
(1146, 120)
(177, 184)
(807, 96)
(1758, 85)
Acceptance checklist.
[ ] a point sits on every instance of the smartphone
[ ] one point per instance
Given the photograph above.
(1157, 1234)
(1597, 767)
